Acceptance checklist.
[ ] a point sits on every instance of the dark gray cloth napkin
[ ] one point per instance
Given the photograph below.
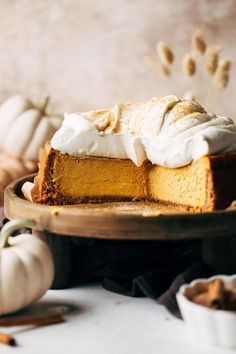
(154, 269)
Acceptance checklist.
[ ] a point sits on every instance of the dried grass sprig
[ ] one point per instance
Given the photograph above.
(212, 59)
(225, 64)
(189, 65)
(165, 54)
(163, 70)
(222, 74)
(198, 42)
(192, 62)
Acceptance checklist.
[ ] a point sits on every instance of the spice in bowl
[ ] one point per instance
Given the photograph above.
(217, 296)
(208, 306)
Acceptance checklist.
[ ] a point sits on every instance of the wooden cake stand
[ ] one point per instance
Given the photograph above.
(124, 221)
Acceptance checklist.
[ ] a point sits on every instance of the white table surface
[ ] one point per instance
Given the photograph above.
(107, 323)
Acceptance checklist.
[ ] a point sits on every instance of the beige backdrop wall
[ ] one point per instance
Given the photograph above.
(91, 53)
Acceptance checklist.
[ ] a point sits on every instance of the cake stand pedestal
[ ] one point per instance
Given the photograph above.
(124, 221)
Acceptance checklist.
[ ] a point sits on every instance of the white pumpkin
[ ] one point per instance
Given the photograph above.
(26, 267)
(12, 168)
(24, 128)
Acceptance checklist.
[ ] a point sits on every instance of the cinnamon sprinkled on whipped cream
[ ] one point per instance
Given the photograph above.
(167, 131)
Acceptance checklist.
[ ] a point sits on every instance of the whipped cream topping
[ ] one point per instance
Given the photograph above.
(167, 131)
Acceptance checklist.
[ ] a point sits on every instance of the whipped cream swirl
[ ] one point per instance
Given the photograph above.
(167, 131)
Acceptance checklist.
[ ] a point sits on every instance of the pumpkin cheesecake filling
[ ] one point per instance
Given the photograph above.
(204, 185)
(166, 150)
(89, 179)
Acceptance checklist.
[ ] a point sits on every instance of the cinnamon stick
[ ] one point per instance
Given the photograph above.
(230, 299)
(201, 299)
(216, 294)
(7, 339)
(31, 320)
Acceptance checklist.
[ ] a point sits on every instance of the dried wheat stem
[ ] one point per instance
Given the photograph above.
(225, 64)
(222, 80)
(163, 70)
(165, 54)
(189, 65)
(222, 73)
(212, 59)
(198, 42)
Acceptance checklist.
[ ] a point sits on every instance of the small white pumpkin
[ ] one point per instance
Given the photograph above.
(26, 267)
(24, 128)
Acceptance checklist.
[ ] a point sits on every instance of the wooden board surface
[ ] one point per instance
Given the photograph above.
(127, 220)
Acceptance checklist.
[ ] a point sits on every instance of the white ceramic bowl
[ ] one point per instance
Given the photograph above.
(208, 325)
